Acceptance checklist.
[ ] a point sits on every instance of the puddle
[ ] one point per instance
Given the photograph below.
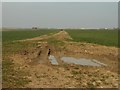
(53, 60)
(82, 61)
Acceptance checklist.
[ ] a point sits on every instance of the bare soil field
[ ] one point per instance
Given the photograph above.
(42, 73)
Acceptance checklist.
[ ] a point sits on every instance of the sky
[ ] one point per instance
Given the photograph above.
(60, 0)
(0, 15)
(60, 14)
(119, 14)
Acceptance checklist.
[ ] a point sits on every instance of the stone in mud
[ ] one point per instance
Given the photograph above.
(25, 52)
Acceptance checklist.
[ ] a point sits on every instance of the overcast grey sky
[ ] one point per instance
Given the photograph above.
(60, 15)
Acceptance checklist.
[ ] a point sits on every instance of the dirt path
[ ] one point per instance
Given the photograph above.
(62, 35)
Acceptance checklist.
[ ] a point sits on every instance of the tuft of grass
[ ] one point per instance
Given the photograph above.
(76, 67)
(74, 72)
(55, 42)
(90, 85)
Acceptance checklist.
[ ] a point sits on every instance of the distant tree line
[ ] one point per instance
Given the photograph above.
(34, 28)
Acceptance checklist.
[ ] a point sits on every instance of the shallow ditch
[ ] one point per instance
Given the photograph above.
(80, 61)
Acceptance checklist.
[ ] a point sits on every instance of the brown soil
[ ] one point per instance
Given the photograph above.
(43, 74)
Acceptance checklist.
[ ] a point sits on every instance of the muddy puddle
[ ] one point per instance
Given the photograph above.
(82, 61)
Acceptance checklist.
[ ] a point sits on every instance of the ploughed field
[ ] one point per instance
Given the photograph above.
(54, 58)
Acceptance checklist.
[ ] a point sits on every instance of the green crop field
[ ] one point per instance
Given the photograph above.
(103, 37)
(19, 34)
